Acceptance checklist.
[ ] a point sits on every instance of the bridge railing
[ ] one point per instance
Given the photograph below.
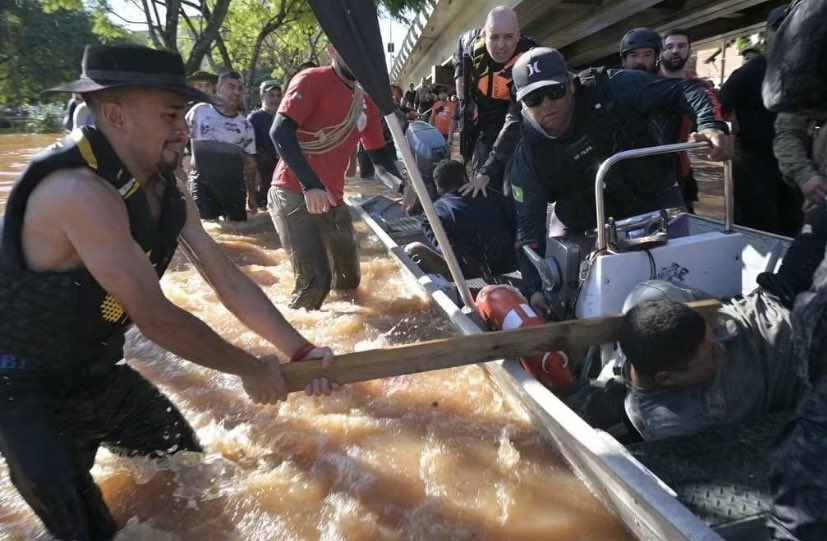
(415, 31)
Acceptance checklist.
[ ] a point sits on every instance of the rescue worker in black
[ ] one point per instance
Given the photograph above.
(640, 50)
(490, 127)
(571, 124)
(89, 229)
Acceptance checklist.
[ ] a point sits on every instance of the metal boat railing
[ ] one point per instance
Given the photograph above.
(599, 183)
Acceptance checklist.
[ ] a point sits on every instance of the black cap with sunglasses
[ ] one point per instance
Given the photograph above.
(540, 68)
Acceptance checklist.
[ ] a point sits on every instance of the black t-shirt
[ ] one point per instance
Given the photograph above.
(741, 94)
(266, 155)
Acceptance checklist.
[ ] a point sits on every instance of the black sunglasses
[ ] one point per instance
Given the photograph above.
(554, 92)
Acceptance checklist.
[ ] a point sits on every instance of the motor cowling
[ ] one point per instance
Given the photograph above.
(503, 308)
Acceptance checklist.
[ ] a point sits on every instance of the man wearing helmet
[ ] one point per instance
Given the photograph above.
(640, 50)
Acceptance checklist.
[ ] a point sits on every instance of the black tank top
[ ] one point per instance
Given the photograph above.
(65, 321)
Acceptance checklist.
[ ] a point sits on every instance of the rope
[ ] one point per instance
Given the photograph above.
(328, 138)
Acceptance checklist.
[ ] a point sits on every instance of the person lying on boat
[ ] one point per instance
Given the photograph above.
(89, 229)
(571, 124)
(481, 229)
(685, 375)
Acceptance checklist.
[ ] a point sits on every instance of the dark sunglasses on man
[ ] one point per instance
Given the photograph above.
(554, 92)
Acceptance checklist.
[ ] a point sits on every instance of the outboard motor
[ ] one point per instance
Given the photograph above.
(429, 148)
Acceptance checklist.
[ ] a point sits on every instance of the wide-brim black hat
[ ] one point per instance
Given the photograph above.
(114, 66)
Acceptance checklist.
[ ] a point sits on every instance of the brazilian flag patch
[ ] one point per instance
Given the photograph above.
(518, 193)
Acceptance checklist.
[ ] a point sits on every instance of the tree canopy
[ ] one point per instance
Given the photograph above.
(43, 40)
(39, 50)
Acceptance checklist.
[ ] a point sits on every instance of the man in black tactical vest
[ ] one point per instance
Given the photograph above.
(571, 124)
(90, 227)
(490, 117)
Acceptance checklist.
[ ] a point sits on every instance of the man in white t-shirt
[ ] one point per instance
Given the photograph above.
(224, 170)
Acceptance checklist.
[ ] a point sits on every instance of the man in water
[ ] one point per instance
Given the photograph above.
(322, 117)
(224, 169)
(90, 227)
(262, 120)
(482, 75)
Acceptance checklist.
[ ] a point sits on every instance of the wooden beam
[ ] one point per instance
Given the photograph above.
(451, 352)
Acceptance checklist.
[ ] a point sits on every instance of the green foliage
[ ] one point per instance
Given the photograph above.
(109, 32)
(747, 42)
(44, 119)
(400, 9)
(40, 50)
(52, 6)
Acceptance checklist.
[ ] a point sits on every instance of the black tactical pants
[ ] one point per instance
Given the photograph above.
(51, 428)
(322, 247)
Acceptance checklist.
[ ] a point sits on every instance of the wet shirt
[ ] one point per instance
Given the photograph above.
(218, 143)
(756, 375)
(315, 100)
(481, 231)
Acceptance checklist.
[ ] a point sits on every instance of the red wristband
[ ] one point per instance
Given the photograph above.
(302, 352)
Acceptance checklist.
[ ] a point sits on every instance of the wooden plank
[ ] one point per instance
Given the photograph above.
(451, 352)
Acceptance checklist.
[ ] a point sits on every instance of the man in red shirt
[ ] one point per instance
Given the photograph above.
(319, 122)
(442, 115)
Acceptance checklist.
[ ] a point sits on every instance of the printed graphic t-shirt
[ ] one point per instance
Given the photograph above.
(218, 143)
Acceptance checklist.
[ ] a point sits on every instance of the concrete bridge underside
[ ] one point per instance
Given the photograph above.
(588, 32)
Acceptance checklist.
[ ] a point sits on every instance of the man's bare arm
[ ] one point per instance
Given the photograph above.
(235, 289)
(252, 179)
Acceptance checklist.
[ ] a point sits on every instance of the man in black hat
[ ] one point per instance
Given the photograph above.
(763, 200)
(90, 227)
(262, 120)
(571, 124)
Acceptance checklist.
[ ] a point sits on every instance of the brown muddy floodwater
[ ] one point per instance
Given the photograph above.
(436, 456)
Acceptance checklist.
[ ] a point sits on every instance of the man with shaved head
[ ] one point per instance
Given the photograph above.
(482, 73)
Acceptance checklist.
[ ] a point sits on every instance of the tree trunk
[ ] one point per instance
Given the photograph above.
(205, 40)
(171, 24)
(153, 35)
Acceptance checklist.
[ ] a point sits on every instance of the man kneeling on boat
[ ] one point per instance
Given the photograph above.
(571, 124)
